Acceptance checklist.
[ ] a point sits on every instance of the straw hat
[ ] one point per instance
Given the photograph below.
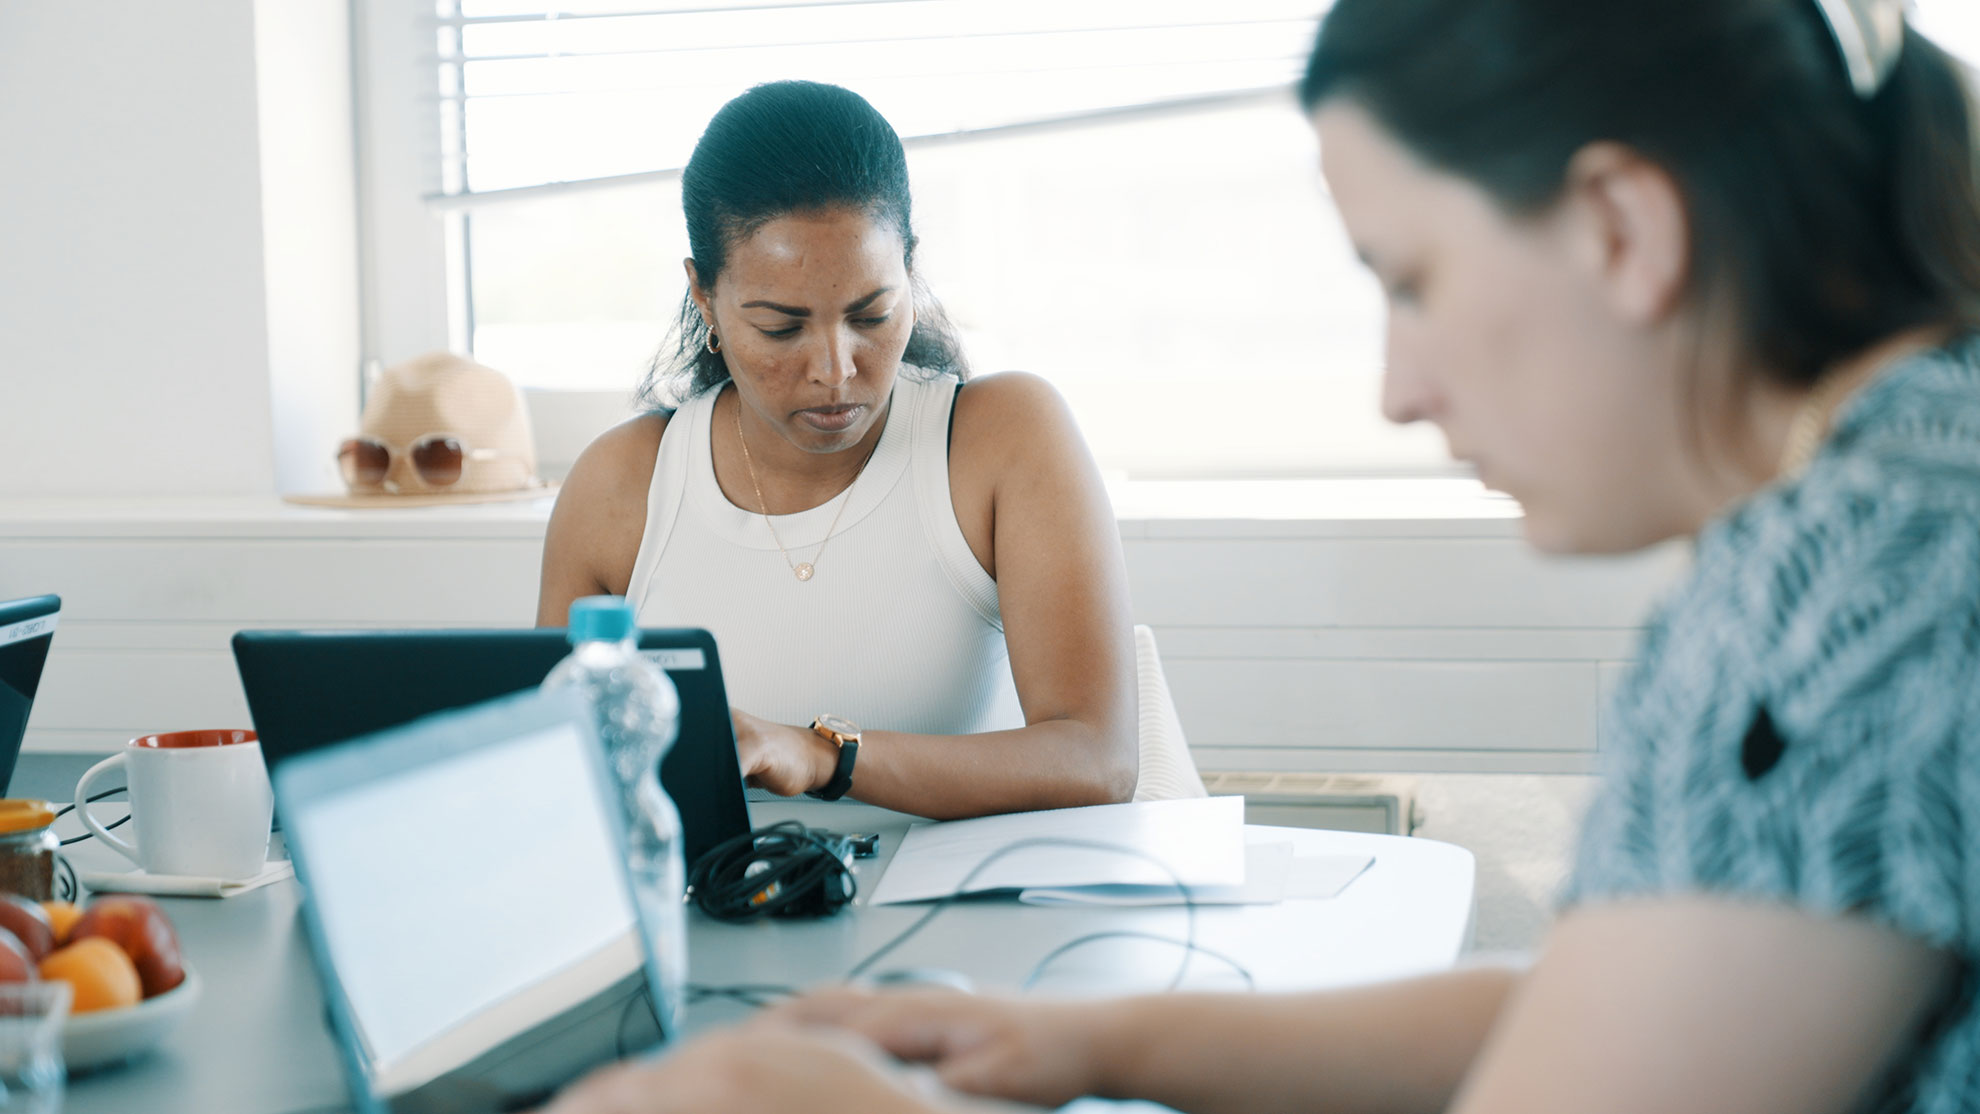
(468, 425)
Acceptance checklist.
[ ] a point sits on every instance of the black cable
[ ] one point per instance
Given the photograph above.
(66, 887)
(754, 995)
(118, 823)
(723, 885)
(645, 995)
(781, 870)
(1135, 934)
(1189, 944)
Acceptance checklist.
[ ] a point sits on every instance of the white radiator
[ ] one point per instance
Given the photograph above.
(1384, 804)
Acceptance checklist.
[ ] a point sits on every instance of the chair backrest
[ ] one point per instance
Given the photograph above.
(1167, 770)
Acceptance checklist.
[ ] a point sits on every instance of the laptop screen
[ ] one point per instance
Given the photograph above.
(308, 689)
(27, 630)
(465, 901)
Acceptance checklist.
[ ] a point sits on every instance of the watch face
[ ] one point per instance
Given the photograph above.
(838, 725)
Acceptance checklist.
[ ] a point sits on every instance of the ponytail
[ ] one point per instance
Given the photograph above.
(1935, 175)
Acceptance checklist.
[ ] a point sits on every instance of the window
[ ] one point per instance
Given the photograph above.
(1116, 194)
(1141, 266)
(1105, 191)
(1953, 24)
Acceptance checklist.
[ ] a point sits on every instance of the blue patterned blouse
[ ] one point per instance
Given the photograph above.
(1803, 723)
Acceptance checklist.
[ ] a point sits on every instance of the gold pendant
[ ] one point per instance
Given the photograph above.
(803, 570)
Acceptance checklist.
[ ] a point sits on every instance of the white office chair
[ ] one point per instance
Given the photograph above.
(1167, 770)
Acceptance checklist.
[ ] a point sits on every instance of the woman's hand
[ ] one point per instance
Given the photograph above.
(1043, 1053)
(783, 759)
(760, 1066)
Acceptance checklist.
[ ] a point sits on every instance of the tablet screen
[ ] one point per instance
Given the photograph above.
(464, 901)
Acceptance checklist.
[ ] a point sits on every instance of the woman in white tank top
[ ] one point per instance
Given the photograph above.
(930, 564)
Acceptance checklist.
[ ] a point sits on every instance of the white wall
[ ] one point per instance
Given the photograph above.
(309, 222)
(1427, 644)
(136, 327)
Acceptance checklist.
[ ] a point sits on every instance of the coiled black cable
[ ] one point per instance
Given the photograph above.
(783, 870)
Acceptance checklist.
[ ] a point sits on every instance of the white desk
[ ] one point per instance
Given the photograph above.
(256, 1042)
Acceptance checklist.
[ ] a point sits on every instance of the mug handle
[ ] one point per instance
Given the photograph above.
(95, 774)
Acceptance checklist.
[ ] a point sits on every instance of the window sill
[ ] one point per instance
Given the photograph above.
(1354, 508)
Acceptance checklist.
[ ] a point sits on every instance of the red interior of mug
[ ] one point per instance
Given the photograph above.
(182, 740)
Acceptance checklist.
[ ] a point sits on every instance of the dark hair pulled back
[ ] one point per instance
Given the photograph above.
(1827, 221)
(780, 148)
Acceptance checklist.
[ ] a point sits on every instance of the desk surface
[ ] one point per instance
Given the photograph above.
(256, 1041)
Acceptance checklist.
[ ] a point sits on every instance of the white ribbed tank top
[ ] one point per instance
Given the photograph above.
(899, 629)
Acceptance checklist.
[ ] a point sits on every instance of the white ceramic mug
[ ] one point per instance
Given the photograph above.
(200, 803)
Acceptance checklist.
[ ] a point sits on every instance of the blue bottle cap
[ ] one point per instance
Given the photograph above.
(601, 619)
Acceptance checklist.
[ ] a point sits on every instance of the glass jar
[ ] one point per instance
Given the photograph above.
(28, 848)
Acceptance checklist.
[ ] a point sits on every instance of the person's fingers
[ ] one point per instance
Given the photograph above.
(819, 1007)
(921, 1025)
(766, 761)
(984, 1070)
(756, 760)
(615, 1090)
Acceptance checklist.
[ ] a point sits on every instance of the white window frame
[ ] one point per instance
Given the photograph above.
(413, 227)
(414, 284)
(416, 294)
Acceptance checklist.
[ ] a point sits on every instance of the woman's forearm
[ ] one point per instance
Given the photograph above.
(1396, 1048)
(1050, 764)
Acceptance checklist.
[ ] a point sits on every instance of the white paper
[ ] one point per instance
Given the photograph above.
(1272, 873)
(1322, 876)
(1266, 866)
(1199, 840)
(180, 885)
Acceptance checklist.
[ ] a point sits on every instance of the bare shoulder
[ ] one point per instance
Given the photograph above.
(1009, 417)
(600, 516)
(617, 466)
(1015, 450)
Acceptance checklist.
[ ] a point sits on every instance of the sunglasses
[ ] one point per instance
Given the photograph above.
(438, 459)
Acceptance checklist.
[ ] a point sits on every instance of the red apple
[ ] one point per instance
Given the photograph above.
(14, 963)
(29, 924)
(140, 927)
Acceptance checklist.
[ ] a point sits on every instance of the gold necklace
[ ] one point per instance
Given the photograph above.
(803, 570)
(1810, 426)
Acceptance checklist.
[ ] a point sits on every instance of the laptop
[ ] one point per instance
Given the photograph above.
(27, 630)
(306, 689)
(468, 905)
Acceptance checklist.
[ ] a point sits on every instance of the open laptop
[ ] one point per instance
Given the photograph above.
(27, 630)
(309, 688)
(468, 905)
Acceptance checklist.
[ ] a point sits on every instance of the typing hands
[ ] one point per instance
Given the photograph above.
(785, 760)
(829, 1052)
(1042, 1053)
(756, 1067)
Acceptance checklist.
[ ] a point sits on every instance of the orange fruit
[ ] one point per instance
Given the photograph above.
(99, 973)
(62, 916)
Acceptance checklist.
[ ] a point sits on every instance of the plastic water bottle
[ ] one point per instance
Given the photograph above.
(637, 713)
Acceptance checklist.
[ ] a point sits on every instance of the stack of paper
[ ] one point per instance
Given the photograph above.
(1141, 853)
(1199, 841)
(1273, 872)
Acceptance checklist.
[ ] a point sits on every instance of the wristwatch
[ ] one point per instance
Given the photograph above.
(844, 734)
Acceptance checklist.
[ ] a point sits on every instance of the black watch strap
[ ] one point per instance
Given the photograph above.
(842, 776)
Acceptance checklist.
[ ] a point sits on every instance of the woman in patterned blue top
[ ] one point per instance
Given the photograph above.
(1659, 268)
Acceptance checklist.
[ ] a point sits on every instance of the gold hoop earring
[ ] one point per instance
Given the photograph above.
(714, 342)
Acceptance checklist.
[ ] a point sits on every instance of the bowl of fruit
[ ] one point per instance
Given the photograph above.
(120, 956)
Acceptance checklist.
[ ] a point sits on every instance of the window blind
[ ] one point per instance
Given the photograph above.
(535, 97)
